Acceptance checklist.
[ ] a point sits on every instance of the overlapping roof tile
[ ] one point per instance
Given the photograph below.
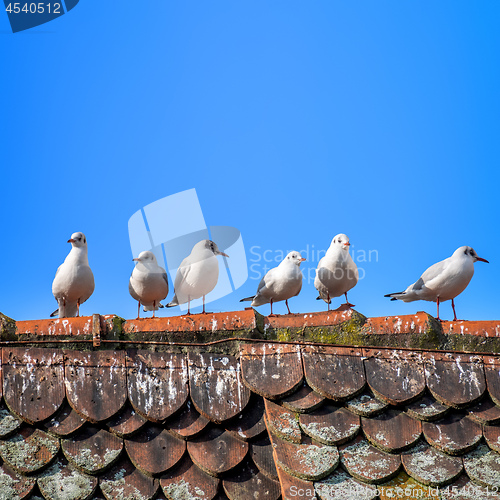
(267, 420)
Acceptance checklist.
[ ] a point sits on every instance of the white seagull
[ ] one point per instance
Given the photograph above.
(280, 283)
(336, 273)
(148, 283)
(197, 275)
(443, 280)
(74, 281)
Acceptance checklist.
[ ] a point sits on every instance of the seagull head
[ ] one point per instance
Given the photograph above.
(210, 245)
(469, 251)
(78, 240)
(295, 258)
(342, 241)
(146, 257)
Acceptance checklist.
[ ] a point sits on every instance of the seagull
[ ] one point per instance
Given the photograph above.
(280, 283)
(74, 281)
(197, 275)
(148, 283)
(336, 273)
(443, 280)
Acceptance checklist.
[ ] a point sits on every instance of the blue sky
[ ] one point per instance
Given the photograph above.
(293, 120)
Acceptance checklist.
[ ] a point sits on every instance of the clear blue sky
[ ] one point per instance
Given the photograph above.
(293, 120)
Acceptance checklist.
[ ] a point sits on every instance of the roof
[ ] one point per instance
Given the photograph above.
(142, 418)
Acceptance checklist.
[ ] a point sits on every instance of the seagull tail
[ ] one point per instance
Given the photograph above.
(247, 299)
(396, 296)
(55, 313)
(319, 297)
(175, 302)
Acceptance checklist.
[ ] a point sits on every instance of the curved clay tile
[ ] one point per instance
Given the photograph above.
(187, 423)
(330, 425)
(261, 452)
(430, 466)
(464, 489)
(249, 482)
(188, 481)
(65, 422)
(483, 466)
(217, 451)
(33, 382)
(334, 372)
(396, 377)
(96, 383)
(8, 422)
(299, 488)
(282, 422)
(250, 423)
(366, 405)
(271, 370)
(455, 380)
(92, 450)
(454, 434)
(215, 386)
(125, 481)
(485, 412)
(157, 383)
(392, 431)
(126, 423)
(153, 450)
(341, 485)
(492, 435)
(29, 450)
(61, 481)
(15, 485)
(367, 463)
(310, 462)
(492, 372)
(427, 408)
(303, 400)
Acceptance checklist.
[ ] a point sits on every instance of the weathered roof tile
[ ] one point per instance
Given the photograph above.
(29, 450)
(395, 377)
(330, 425)
(250, 423)
(187, 481)
(33, 382)
(282, 422)
(293, 488)
(340, 486)
(216, 451)
(65, 422)
(308, 460)
(95, 383)
(483, 466)
(334, 372)
(271, 370)
(249, 482)
(367, 463)
(126, 423)
(125, 481)
(430, 466)
(303, 400)
(454, 434)
(392, 431)
(14, 485)
(153, 450)
(157, 383)
(455, 380)
(366, 405)
(427, 408)
(92, 450)
(210, 377)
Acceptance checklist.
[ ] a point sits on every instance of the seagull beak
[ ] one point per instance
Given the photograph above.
(302, 259)
(137, 259)
(223, 254)
(482, 260)
(347, 244)
(71, 240)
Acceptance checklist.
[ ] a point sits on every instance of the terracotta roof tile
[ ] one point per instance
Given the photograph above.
(265, 418)
(272, 370)
(153, 377)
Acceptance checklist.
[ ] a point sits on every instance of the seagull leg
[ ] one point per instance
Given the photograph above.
(286, 302)
(139, 310)
(271, 308)
(78, 308)
(154, 307)
(328, 297)
(454, 313)
(438, 309)
(189, 304)
(347, 303)
(203, 312)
